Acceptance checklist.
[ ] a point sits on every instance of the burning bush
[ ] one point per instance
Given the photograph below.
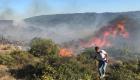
(64, 52)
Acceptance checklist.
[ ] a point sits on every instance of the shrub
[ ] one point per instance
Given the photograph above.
(123, 74)
(18, 59)
(23, 58)
(42, 47)
(67, 69)
(27, 72)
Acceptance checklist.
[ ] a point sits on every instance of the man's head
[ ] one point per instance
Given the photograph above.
(97, 49)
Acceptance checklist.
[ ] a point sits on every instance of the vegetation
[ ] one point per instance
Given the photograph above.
(43, 47)
(42, 62)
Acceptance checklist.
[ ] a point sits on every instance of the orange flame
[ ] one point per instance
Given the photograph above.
(64, 52)
(107, 32)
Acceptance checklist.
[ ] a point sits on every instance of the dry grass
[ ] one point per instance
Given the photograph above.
(8, 47)
(7, 77)
(4, 74)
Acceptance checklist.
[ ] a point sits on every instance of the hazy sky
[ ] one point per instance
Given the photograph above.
(26, 8)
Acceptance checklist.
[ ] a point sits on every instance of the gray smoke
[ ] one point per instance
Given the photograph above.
(63, 32)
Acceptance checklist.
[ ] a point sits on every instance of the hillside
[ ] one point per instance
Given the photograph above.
(80, 25)
(43, 62)
(83, 19)
(75, 26)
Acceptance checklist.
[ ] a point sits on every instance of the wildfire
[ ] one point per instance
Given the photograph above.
(102, 38)
(64, 52)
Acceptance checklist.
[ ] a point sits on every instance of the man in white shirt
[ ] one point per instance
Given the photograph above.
(102, 57)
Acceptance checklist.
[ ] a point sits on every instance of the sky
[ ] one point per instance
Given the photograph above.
(17, 9)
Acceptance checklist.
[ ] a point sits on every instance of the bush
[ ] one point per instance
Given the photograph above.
(42, 47)
(17, 59)
(23, 58)
(67, 69)
(27, 72)
(123, 74)
(87, 56)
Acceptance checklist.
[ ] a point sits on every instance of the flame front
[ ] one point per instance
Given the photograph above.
(102, 37)
(64, 52)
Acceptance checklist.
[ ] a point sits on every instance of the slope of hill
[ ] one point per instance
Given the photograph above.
(68, 27)
(79, 18)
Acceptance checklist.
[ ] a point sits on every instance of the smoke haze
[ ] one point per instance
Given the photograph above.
(66, 27)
